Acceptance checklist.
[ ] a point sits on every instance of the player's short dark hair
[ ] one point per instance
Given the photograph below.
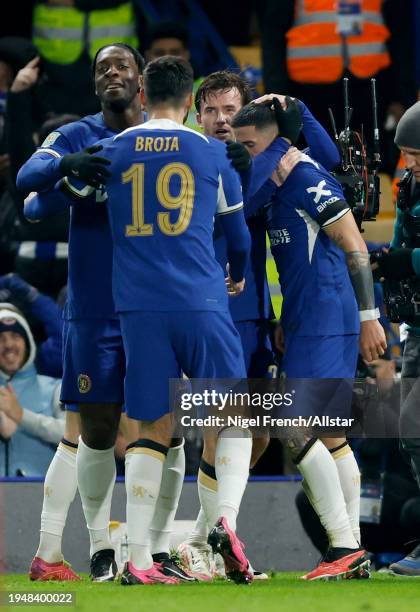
(138, 58)
(167, 29)
(259, 115)
(223, 80)
(168, 79)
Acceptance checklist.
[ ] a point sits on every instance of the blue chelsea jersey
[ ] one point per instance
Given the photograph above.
(168, 182)
(318, 297)
(90, 245)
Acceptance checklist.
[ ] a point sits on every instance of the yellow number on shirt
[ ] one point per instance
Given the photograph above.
(183, 202)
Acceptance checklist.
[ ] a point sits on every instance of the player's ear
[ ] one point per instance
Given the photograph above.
(143, 99)
(189, 101)
(140, 86)
(198, 118)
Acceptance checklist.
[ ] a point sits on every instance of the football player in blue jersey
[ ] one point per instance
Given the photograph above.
(167, 184)
(218, 99)
(93, 351)
(328, 300)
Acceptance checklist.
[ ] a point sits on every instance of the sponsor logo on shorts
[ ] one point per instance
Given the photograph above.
(84, 383)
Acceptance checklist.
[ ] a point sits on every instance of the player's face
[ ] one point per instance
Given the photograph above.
(412, 161)
(117, 80)
(12, 352)
(167, 46)
(217, 112)
(255, 140)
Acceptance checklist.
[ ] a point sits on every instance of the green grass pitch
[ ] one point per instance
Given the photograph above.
(283, 592)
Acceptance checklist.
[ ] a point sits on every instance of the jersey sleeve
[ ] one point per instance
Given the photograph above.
(38, 206)
(42, 170)
(229, 195)
(318, 193)
(264, 164)
(321, 146)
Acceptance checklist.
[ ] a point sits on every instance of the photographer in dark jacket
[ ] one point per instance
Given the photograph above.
(401, 267)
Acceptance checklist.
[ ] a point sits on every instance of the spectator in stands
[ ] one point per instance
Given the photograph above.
(31, 419)
(308, 47)
(41, 256)
(171, 38)
(68, 33)
(15, 52)
(45, 320)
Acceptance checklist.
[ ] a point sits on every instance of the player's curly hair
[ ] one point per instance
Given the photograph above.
(223, 80)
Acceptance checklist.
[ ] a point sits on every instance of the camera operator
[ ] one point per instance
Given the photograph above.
(401, 266)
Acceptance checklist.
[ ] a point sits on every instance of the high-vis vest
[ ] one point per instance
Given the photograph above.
(62, 33)
(317, 53)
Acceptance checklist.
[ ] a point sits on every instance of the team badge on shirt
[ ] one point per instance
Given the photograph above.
(50, 139)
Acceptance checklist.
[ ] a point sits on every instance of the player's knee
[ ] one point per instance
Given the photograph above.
(298, 445)
(209, 450)
(72, 428)
(259, 446)
(334, 444)
(99, 425)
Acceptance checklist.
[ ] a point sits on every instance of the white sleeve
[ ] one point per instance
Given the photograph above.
(48, 428)
(227, 200)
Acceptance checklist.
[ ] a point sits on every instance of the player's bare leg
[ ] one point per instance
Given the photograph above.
(259, 446)
(59, 491)
(96, 474)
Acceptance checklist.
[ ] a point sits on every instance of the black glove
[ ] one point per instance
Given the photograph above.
(86, 167)
(237, 152)
(289, 121)
(396, 265)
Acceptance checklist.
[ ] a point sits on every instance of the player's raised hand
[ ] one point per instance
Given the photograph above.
(289, 120)
(27, 76)
(238, 153)
(372, 341)
(233, 287)
(86, 166)
(270, 97)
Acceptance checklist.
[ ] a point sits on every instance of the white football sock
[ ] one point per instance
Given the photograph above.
(143, 476)
(349, 474)
(167, 502)
(324, 492)
(200, 530)
(233, 455)
(207, 493)
(59, 490)
(96, 473)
